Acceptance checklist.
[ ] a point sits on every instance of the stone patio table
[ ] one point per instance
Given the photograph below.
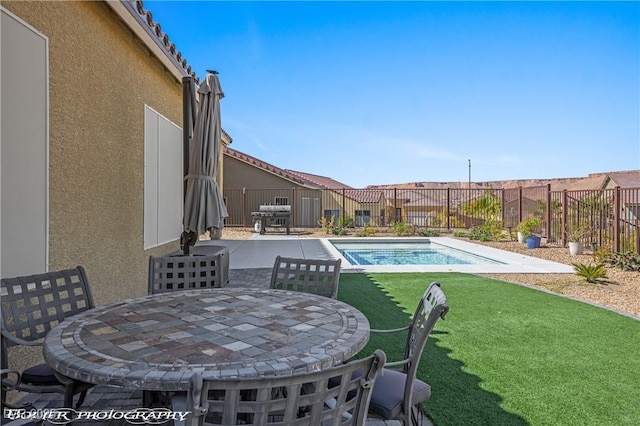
(156, 342)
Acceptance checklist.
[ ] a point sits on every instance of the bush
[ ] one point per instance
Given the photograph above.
(461, 233)
(529, 227)
(338, 230)
(627, 261)
(367, 231)
(489, 231)
(346, 221)
(603, 254)
(402, 228)
(327, 225)
(424, 232)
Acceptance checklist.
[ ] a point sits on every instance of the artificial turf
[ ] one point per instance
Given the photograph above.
(508, 354)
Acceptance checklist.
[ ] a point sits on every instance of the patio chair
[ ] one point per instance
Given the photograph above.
(188, 272)
(31, 307)
(398, 393)
(9, 380)
(299, 399)
(306, 275)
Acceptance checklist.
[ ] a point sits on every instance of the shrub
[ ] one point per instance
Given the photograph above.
(367, 231)
(489, 231)
(346, 221)
(424, 232)
(480, 234)
(603, 254)
(591, 272)
(402, 228)
(627, 261)
(461, 233)
(327, 225)
(529, 226)
(338, 230)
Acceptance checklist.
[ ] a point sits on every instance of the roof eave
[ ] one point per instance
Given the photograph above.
(241, 157)
(131, 13)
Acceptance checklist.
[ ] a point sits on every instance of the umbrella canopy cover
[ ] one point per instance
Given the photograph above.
(204, 208)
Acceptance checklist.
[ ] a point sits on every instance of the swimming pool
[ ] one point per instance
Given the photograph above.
(444, 254)
(423, 252)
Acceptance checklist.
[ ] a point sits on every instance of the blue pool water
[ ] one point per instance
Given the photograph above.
(422, 253)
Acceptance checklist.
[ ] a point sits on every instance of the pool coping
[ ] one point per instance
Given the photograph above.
(513, 263)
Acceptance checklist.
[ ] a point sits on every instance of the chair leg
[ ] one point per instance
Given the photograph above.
(417, 416)
(81, 398)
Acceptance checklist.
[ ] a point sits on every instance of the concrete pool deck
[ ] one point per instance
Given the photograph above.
(259, 251)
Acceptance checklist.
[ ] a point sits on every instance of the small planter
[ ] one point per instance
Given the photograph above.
(533, 242)
(521, 238)
(576, 248)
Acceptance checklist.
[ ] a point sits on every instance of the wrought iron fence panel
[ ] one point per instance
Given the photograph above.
(610, 217)
(628, 202)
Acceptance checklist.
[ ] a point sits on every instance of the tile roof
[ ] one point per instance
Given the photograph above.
(253, 161)
(323, 181)
(306, 179)
(592, 182)
(145, 19)
(629, 179)
(359, 195)
(364, 195)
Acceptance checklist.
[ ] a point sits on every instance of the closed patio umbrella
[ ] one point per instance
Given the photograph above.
(204, 208)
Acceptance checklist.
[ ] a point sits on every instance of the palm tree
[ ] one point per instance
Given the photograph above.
(488, 206)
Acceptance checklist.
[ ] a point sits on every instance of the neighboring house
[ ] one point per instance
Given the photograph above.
(598, 192)
(91, 142)
(250, 183)
(364, 206)
(624, 180)
(419, 206)
(629, 200)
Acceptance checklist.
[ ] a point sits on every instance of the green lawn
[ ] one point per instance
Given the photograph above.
(509, 355)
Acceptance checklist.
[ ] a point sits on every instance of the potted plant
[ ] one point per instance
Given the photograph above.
(526, 229)
(575, 235)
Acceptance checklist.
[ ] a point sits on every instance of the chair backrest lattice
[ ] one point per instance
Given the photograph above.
(33, 305)
(432, 306)
(316, 276)
(337, 396)
(184, 272)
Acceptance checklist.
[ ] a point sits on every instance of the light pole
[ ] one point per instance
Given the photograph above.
(469, 174)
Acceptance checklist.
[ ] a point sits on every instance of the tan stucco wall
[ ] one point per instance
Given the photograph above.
(239, 175)
(100, 79)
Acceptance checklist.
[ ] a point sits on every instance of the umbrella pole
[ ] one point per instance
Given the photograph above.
(187, 239)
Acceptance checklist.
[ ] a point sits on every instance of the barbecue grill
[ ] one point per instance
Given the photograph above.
(273, 216)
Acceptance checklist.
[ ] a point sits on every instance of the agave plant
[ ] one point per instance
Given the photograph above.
(591, 272)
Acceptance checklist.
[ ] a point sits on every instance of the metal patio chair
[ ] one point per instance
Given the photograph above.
(9, 380)
(31, 307)
(398, 393)
(299, 399)
(187, 272)
(306, 275)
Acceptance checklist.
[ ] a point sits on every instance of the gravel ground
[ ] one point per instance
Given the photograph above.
(619, 291)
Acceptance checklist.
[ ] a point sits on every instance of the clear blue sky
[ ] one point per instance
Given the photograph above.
(394, 92)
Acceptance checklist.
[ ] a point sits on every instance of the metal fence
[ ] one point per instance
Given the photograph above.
(606, 217)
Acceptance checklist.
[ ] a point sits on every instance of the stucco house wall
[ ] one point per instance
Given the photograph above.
(263, 187)
(101, 76)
